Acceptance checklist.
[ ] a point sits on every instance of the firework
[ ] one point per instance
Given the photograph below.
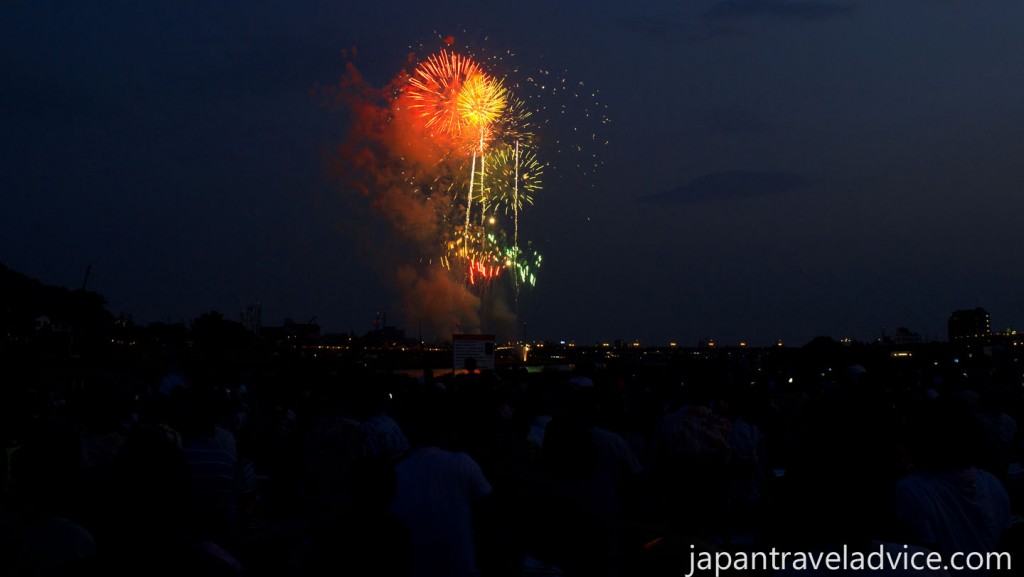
(516, 176)
(449, 153)
(435, 88)
(478, 119)
(480, 101)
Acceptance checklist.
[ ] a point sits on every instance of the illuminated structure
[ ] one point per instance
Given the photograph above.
(969, 324)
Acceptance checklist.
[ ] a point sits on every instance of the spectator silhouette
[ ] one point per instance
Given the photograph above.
(214, 476)
(575, 511)
(690, 461)
(947, 503)
(438, 493)
(149, 531)
(45, 476)
(366, 539)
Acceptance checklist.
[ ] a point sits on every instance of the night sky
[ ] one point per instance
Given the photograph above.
(775, 169)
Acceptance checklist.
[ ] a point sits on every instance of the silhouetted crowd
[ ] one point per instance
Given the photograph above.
(596, 472)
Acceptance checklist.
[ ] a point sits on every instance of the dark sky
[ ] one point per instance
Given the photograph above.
(775, 169)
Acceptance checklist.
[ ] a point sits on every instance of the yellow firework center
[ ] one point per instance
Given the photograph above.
(481, 100)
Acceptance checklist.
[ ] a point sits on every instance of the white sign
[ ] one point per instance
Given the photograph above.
(479, 348)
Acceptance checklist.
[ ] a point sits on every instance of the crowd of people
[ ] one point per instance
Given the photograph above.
(589, 472)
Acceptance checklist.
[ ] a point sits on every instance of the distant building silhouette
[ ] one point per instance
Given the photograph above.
(969, 324)
(251, 318)
(292, 335)
(905, 336)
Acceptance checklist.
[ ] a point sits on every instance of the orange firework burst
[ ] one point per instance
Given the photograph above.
(435, 86)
